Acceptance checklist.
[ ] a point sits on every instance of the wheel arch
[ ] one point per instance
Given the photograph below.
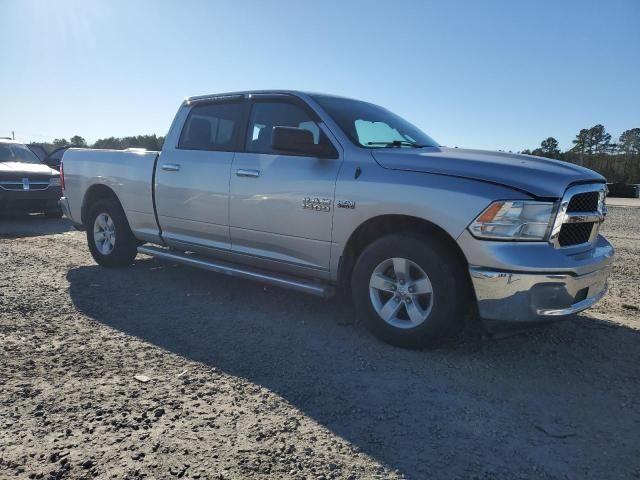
(94, 193)
(377, 227)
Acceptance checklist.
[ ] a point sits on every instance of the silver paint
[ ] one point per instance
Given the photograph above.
(273, 212)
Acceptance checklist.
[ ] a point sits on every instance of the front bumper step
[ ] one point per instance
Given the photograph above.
(285, 281)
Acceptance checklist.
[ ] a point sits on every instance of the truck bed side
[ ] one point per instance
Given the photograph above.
(128, 174)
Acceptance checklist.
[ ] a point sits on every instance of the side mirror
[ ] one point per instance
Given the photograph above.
(300, 141)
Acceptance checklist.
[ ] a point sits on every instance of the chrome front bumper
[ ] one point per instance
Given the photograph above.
(534, 297)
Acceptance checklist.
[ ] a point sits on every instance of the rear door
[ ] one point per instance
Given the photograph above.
(281, 205)
(192, 189)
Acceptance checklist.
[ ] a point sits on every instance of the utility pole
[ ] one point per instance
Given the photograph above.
(13, 135)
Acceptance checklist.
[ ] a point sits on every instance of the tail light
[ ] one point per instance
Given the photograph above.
(61, 176)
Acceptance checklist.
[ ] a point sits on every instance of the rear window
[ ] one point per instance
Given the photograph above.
(211, 126)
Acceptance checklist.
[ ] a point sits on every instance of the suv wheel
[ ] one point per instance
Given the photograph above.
(108, 234)
(410, 291)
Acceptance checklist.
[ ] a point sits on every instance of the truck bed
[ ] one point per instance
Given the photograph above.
(129, 173)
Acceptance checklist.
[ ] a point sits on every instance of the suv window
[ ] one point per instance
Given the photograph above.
(211, 126)
(268, 114)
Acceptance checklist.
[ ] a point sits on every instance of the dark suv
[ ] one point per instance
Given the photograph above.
(26, 184)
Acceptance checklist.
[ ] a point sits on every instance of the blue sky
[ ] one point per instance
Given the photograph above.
(483, 74)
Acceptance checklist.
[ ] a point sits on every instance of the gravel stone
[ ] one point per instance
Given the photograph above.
(258, 384)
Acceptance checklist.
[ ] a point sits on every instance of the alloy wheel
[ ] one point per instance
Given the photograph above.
(401, 293)
(104, 233)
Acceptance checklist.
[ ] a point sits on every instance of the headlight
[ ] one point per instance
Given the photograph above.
(514, 220)
(54, 182)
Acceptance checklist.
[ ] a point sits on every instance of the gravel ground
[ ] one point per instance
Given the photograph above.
(162, 371)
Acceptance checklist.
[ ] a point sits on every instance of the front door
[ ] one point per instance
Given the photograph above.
(281, 205)
(192, 190)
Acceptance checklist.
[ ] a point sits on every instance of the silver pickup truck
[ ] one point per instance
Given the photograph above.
(320, 193)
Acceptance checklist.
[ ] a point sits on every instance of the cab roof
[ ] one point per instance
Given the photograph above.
(196, 98)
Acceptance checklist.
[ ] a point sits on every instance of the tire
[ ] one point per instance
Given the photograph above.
(427, 264)
(121, 248)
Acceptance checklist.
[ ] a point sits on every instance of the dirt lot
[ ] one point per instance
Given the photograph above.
(248, 382)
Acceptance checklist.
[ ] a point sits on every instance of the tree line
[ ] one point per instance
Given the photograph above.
(593, 148)
(590, 141)
(150, 142)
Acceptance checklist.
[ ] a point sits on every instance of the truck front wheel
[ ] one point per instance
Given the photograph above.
(108, 234)
(410, 290)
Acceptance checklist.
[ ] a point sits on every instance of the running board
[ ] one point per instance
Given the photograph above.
(285, 281)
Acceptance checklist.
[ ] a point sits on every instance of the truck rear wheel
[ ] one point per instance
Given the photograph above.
(110, 239)
(410, 291)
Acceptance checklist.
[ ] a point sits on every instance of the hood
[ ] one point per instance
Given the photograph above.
(35, 169)
(540, 177)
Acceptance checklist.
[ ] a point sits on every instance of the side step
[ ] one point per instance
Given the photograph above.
(286, 281)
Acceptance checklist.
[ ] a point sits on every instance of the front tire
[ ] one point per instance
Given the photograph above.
(110, 239)
(410, 290)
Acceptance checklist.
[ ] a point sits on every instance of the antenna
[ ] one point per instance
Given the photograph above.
(13, 135)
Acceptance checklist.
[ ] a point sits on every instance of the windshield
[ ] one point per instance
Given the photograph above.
(15, 152)
(371, 126)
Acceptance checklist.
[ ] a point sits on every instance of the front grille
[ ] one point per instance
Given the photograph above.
(584, 202)
(18, 185)
(18, 176)
(11, 186)
(581, 212)
(575, 233)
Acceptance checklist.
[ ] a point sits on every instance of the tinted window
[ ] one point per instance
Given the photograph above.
(211, 126)
(15, 152)
(268, 114)
(371, 126)
(40, 152)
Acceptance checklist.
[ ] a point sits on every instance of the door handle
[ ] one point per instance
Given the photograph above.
(171, 167)
(241, 172)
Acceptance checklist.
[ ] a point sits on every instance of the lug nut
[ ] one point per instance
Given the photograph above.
(412, 289)
(401, 282)
(393, 288)
(397, 299)
(407, 300)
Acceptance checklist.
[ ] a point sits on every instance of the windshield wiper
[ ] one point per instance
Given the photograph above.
(397, 143)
